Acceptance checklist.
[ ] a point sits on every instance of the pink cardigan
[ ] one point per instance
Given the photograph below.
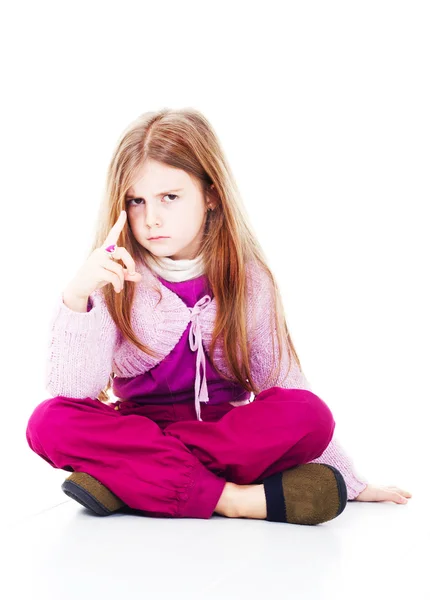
(86, 347)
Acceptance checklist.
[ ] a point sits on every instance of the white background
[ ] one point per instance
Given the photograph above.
(322, 109)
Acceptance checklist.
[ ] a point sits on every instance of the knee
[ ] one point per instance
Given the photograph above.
(316, 416)
(42, 426)
(321, 421)
(319, 410)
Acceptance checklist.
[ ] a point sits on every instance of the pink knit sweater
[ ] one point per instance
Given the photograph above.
(86, 347)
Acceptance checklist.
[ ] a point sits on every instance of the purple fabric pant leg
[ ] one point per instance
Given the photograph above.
(128, 453)
(160, 460)
(280, 429)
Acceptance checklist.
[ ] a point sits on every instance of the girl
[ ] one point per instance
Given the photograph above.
(190, 326)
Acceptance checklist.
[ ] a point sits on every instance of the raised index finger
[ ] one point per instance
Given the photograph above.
(114, 233)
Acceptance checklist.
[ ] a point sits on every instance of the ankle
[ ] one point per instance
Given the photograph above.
(252, 502)
(229, 502)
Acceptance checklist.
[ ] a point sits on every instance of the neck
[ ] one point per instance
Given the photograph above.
(176, 270)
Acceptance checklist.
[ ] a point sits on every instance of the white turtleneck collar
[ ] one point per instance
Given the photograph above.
(176, 270)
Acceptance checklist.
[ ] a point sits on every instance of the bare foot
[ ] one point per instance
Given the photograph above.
(247, 501)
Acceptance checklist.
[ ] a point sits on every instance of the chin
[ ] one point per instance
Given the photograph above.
(159, 252)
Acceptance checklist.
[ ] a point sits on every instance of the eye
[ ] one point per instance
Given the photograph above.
(129, 202)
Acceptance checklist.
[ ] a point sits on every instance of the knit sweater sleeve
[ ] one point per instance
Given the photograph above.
(261, 319)
(336, 456)
(263, 343)
(81, 347)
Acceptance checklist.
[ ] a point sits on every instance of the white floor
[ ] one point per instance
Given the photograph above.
(56, 549)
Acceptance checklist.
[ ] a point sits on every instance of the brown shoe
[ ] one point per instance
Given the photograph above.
(306, 495)
(92, 494)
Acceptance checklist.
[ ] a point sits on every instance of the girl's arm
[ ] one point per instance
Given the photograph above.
(260, 319)
(81, 347)
(336, 456)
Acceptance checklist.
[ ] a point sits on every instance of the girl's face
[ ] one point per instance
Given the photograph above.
(164, 201)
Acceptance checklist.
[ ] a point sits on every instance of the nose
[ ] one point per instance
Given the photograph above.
(151, 217)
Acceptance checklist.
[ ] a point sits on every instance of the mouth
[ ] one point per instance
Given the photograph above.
(158, 238)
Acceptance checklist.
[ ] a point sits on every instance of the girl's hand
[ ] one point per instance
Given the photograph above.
(373, 493)
(100, 270)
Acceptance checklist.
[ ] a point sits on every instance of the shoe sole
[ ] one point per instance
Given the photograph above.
(308, 494)
(92, 494)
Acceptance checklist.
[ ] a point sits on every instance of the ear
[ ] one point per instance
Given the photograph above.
(213, 198)
(212, 192)
(210, 204)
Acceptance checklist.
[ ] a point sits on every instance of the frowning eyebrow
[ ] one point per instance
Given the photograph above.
(131, 195)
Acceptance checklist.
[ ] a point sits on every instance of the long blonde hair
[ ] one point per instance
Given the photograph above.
(184, 139)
